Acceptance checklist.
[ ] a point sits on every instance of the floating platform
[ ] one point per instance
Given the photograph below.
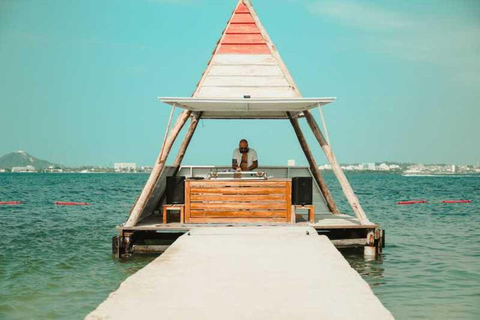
(268, 272)
(152, 233)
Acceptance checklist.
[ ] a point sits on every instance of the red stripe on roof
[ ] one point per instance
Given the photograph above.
(242, 8)
(242, 35)
(242, 18)
(244, 49)
(242, 28)
(243, 38)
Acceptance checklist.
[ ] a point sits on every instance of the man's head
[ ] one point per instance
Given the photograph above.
(243, 146)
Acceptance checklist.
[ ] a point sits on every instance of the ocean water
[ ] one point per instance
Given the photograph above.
(56, 263)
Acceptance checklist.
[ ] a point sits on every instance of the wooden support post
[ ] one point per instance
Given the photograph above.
(311, 214)
(195, 119)
(317, 175)
(337, 170)
(157, 170)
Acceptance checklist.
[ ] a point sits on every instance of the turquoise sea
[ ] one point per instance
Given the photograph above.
(56, 263)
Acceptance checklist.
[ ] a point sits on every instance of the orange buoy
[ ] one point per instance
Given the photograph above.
(456, 201)
(10, 202)
(411, 202)
(62, 203)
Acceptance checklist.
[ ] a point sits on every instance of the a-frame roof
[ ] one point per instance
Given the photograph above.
(245, 63)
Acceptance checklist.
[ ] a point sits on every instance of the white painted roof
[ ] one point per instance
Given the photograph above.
(246, 108)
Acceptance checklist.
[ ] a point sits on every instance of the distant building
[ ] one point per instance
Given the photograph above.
(394, 167)
(125, 167)
(325, 167)
(52, 169)
(371, 166)
(454, 168)
(147, 168)
(24, 169)
(384, 167)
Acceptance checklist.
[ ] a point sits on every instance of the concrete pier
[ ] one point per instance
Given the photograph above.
(245, 273)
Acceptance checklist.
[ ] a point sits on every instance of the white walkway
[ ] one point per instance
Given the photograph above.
(245, 273)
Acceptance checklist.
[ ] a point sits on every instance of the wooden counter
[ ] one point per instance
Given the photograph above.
(238, 201)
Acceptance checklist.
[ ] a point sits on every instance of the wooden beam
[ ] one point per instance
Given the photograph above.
(157, 170)
(195, 119)
(317, 175)
(337, 170)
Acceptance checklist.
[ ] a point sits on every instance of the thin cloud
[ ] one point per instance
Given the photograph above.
(182, 2)
(447, 40)
(360, 15)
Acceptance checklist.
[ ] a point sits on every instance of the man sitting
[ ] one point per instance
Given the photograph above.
(244, 158)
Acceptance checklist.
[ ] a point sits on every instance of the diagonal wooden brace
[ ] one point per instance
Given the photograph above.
(317, 175)
(157, 170)
(337, 170)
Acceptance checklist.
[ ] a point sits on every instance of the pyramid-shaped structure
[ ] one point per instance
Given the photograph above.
(245, 62)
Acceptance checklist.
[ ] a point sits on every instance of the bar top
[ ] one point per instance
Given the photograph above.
(240, 180)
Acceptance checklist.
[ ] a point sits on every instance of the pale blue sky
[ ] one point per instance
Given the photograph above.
(79, 79)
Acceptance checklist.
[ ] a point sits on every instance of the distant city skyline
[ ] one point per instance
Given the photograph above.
(79, 84)
(290, 162)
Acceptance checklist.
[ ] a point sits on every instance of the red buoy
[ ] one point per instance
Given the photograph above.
(10, 202)
(411, 202)
(456, 201)
(61, 203)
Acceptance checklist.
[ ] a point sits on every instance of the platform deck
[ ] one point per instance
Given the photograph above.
(322, 221)
(245, 273)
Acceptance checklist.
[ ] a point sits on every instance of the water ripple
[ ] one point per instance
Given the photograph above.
(55, 262)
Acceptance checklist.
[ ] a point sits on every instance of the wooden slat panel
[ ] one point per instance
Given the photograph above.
(214, 201)
(220, 190)
(239, 183)
(241, 59)
(242, 28)
(187, 201)
(242, 18)
(255, 70)
(244, 48)
(245, 81)
(240, 92)
(237, 197)
(243, 38)
(242, 8)
(237, 220)
(238, 214)
(236, 205)
(288, 200)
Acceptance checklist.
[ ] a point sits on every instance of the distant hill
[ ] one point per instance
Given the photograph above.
(22, 159)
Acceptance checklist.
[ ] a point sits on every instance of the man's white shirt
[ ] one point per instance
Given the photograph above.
(251, 156)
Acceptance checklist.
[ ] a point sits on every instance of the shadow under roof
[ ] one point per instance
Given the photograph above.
(247, 108)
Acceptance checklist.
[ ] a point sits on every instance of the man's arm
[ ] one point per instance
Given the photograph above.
(253, 166)
(234, 164)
